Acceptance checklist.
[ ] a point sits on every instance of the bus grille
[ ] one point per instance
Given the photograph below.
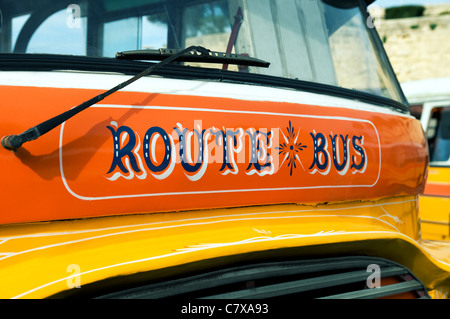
(330, 278)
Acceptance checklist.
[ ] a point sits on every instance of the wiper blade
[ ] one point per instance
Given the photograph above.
(13, 142)
(203, 56)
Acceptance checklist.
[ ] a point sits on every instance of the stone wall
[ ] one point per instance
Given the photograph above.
(418, 48)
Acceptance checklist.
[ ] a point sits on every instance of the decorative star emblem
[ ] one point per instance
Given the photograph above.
(290, 149)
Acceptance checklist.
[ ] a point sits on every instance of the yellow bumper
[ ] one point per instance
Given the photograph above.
(43, 259)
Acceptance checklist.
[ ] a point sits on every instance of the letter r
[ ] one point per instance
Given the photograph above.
(125, 151)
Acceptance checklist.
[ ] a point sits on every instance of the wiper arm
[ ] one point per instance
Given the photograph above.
(193, 56)
(13, 142)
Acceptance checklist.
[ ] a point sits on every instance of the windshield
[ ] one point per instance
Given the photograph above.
(438, 135)
(327, 42)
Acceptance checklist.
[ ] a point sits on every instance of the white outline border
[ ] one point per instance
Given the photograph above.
(170, 108)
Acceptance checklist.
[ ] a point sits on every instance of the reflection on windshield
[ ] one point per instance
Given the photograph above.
(316, 41)
(68, 40)
(355, 59)
(17, 24)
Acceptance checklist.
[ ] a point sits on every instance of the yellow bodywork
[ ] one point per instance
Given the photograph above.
(43, 259)
(435, 210)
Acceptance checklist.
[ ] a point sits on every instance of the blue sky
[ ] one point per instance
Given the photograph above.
(396, 3)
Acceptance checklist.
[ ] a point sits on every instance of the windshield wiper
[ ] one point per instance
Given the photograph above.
(193, 56)
(13, 142)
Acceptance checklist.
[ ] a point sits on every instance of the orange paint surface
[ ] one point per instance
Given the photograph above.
(437, 189)
(139, 152)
